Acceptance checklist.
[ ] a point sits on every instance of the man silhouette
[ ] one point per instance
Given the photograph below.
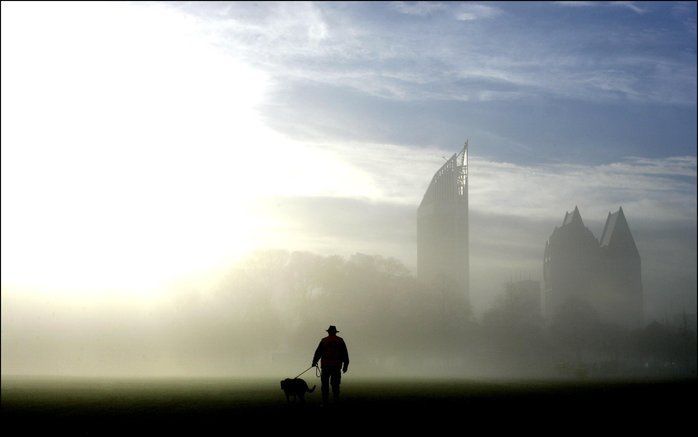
(333, 356)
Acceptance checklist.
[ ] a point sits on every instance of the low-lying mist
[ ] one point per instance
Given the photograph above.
(266, 316)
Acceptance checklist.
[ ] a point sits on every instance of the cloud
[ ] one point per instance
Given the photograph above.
(630, 5)
(469, 12)
(418, 8)
(577, 4)
(406, 60)
(661, 189)
(626, 4)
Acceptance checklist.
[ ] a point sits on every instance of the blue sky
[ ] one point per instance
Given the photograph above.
(532, 82)
(146, 141)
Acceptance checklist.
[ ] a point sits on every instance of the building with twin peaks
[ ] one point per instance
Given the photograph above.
(601, 275)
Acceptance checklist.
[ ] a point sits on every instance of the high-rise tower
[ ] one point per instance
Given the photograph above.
(622, 284)
(442, 232)
(606, 275)
(571, 264)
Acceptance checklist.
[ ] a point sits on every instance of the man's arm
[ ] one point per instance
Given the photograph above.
(345, 357)
(318, 354)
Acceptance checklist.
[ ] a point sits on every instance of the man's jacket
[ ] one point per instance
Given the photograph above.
(332, 352)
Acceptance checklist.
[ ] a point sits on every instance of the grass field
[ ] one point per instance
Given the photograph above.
(87, 406)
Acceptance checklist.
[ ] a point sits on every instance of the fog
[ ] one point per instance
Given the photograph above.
(267, 314)
(205, 193)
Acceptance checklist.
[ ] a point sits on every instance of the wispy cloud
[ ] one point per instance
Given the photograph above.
(469, 12)
(576, 4)
(661, 189)
(418, 8)
(462, 12)
(499, 59)
(630, 5)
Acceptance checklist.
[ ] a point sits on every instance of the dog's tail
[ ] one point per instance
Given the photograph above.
(310, 390)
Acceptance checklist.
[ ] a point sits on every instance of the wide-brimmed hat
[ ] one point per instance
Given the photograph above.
(332, 328)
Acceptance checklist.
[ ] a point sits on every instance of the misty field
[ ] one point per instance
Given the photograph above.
(127, 406)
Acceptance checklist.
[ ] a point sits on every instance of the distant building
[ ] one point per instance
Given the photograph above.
(606, 274)
(442, 234)
(525, 297)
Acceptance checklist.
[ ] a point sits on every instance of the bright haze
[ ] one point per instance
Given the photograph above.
(149, 149)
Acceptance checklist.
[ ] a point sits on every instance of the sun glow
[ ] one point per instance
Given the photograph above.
(132, 152)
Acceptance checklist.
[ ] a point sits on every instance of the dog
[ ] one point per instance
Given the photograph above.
(295, 387)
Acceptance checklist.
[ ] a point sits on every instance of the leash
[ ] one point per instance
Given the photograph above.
(317, 371)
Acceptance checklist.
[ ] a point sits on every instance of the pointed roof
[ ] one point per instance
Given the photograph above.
(444, 183)
(616, 232)
(573, 217)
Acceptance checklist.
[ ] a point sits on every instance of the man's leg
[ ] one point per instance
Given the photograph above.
(336, 380)
(325, 387)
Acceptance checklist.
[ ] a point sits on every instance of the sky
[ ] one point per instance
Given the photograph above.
(146, 146)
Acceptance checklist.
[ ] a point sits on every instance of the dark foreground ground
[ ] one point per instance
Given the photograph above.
(84, 406)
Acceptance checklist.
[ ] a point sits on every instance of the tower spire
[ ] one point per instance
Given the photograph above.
(573, 217)
(441, 265)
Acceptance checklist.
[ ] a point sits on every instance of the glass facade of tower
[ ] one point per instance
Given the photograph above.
(442, 232)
